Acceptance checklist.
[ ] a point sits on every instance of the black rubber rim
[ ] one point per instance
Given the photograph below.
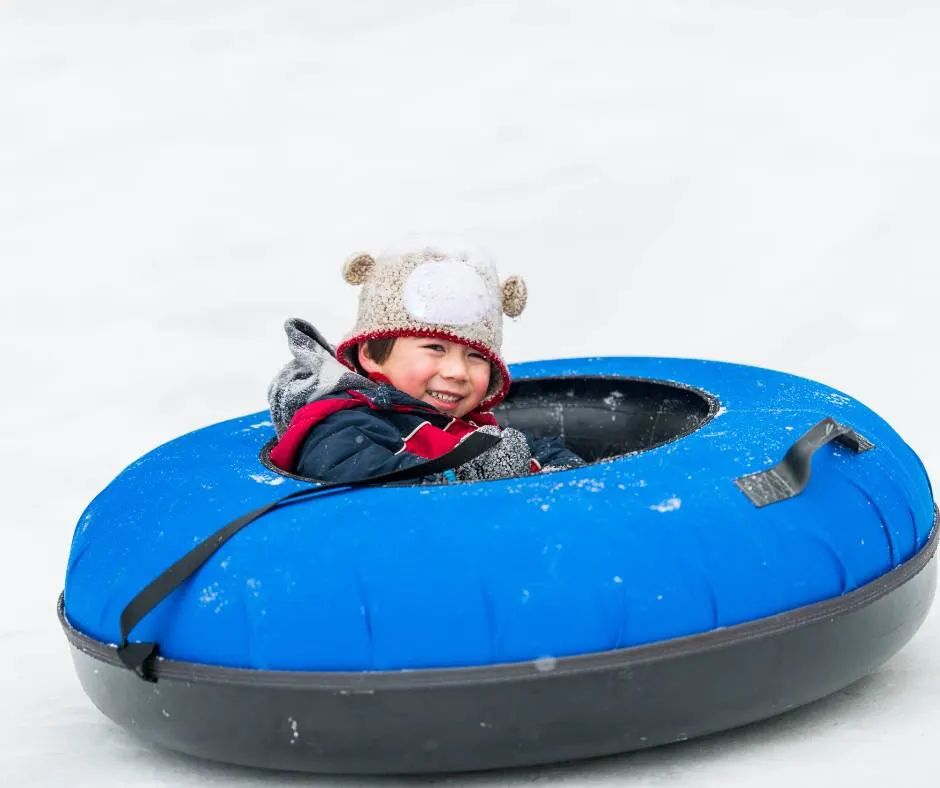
(514, 715)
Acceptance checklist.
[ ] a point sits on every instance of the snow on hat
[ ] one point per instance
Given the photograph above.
(430, 290)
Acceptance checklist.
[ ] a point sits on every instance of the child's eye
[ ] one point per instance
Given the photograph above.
(434, 346)
(479, 356)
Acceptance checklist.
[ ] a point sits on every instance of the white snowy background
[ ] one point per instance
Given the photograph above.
(749, 181)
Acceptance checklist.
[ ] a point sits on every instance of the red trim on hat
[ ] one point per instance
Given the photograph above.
(493, 400)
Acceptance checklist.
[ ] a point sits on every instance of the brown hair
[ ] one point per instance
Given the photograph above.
(377, 349)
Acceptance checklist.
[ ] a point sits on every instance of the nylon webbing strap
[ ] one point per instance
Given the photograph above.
(789, 477)
(139, 656)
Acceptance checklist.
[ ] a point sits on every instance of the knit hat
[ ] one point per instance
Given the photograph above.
(432, 291)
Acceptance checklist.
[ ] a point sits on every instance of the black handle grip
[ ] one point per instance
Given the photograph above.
(789, 477)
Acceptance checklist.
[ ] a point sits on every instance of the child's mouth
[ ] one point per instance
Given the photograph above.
(445, 399)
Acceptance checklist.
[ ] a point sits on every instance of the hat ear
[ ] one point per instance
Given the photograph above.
(515, 295)
(358, 268)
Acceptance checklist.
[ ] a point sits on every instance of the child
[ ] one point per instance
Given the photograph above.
(420, 370)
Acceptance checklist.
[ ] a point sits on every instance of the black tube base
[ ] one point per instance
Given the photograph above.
(516, 714)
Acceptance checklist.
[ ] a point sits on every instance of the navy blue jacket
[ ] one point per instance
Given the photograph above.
(362, 433)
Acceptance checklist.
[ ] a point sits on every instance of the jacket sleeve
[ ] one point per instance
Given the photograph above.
(551, 452)
(354, 444)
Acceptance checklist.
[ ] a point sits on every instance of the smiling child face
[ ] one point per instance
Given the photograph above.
(450, 376)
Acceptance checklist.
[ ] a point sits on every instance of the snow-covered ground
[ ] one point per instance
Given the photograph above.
(754, 182)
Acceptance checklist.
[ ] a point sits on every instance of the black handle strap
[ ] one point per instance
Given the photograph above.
(139, 656)
(789, 477)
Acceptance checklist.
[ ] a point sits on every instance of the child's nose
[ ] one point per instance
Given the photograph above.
(455, 367)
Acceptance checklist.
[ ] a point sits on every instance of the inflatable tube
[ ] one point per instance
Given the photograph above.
(694, 577)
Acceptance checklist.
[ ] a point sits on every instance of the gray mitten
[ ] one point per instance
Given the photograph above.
(510, 457)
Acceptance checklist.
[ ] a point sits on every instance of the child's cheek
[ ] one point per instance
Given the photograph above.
(479, 389)
(421, 376)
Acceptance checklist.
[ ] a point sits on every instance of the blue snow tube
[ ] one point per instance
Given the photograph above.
(686, 523)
